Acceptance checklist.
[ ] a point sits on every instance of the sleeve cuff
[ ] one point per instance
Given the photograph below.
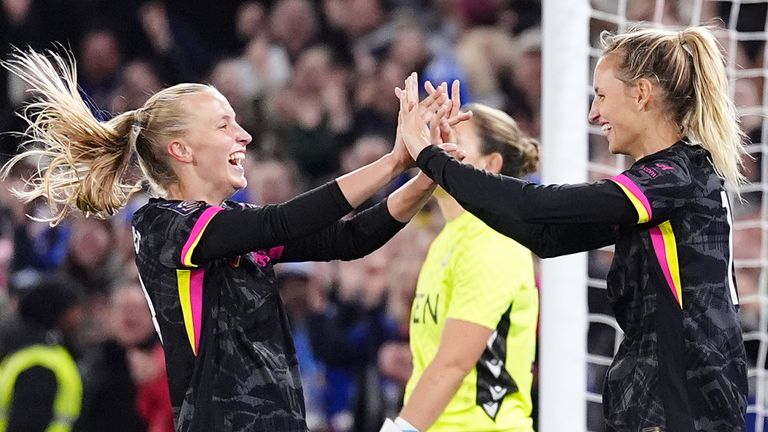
(381, 216)
(338, 197)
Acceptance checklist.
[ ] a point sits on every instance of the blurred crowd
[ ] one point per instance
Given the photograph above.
(313, 82)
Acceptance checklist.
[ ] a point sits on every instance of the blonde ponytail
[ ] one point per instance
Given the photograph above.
(80, 161)
(713, 120)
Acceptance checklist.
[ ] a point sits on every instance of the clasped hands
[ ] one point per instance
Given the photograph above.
(428, 122)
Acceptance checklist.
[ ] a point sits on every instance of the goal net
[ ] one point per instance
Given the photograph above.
(579, 335)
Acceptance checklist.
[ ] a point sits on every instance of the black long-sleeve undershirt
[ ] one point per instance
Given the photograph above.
(308, 227)
(347, 239)
(238, 231)
(549, 220)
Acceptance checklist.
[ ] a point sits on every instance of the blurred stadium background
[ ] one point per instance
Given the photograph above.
(312, 81)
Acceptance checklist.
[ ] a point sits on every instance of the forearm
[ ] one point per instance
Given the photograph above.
(600, 202)
(362, 183)
(237, 231)
(432, 393)
(551, 240)
(405, 202)
(347, 239)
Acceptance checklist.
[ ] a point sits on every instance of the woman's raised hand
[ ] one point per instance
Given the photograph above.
(424, 109)
(414, 116)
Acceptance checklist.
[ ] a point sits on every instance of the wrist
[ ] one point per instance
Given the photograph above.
(424, 182)
(399, 425)
(404, 425)
(396, 165)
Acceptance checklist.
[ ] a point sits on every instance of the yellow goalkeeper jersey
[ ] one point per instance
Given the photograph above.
(475, 274)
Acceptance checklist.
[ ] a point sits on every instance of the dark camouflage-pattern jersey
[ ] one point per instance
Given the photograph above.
(230, 358)
(673, 291)
(681, 366)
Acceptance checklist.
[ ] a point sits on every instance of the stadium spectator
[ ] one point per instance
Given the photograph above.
(40, 385)
(125, 385)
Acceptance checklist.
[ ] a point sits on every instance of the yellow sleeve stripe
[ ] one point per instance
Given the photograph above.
(636, 196)
(196, 234)
(665, 247)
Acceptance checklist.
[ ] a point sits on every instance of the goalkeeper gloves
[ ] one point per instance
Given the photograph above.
(399, 425)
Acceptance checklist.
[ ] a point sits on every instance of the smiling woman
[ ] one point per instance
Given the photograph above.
(661, 97)
(206, 263)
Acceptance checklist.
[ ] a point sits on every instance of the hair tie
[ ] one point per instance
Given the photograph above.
(138, 117)
(684, 44)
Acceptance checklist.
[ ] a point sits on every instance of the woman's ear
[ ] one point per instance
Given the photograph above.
(494, 162)
(644, 89)
(179, 150)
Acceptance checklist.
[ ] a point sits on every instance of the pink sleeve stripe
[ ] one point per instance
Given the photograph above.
(194, 236)
(664, 258)
(196, 300)
(634, 190)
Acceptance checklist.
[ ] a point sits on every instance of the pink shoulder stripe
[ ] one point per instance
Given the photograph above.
(635, 191)
(194, 236)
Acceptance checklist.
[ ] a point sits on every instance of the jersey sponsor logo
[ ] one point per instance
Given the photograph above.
(653, 171)
(649, 171)
(183, 208)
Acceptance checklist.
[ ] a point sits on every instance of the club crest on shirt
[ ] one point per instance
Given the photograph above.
(183, 208)
(261, 258)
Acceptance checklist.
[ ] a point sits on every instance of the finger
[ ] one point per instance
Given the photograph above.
(434, 127)
(429, 87)
(456, 97)
(431, 104)
(461, 117)
(448, 147)
(412, 87)
(446, 131)
(403, 103)
(460, 154)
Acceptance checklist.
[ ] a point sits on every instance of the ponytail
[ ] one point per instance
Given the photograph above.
(713, 121)
(80, 161)
(85, 164)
